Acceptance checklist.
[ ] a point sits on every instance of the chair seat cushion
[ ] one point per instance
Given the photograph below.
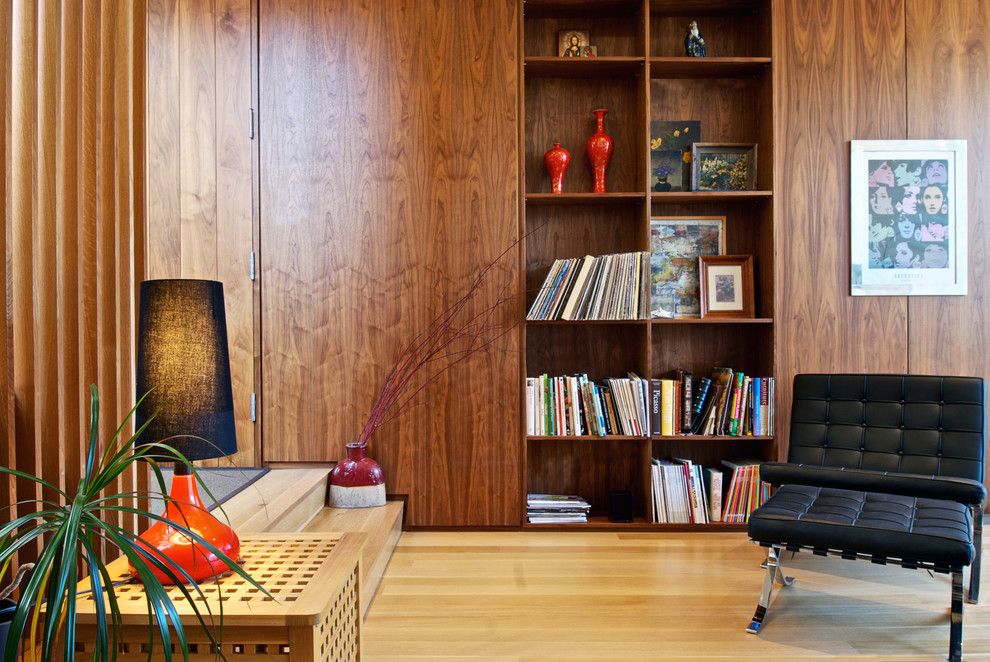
(881, 525)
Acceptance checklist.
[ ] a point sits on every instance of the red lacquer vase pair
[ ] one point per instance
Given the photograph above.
(598, 149)
(357, 481)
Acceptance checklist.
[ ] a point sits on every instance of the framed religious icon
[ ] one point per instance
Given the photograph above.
(575, 43)
(676, 243)
(907, 217)
(726, 286)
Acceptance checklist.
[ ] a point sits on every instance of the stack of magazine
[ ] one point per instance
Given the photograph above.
(607, 287)
(556, 509)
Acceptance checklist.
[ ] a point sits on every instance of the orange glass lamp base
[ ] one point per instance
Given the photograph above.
(176, 549)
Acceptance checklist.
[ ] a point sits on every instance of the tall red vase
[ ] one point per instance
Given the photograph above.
(357, 481)
(599, 151)
(555, 160)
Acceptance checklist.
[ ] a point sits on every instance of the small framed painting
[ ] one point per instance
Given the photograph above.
(676, 243)
(908, 217)
(726, 286)
(723, 167)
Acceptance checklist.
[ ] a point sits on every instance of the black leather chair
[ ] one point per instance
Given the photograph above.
(887, 468)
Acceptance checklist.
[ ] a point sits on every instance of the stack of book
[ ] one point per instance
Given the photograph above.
(746, 491)
(685, 493)
(727, 403)
(607, 287)
(574, 406)
(556, 509)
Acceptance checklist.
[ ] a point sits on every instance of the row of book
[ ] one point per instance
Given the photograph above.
(688, 493)
(727, 403)
(575, 405)
(606, 287)
(556, 509)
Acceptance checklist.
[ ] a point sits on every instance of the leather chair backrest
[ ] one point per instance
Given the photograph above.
(901, 423)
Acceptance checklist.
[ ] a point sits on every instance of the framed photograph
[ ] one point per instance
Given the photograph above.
(727, 286)
(574, 43)
(908, 217)
(723, 166)
(676, 243)
(670, 154)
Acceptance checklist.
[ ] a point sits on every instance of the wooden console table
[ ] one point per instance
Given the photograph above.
(315, 579)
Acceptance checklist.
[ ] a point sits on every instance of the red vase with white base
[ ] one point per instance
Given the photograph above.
(357, 481)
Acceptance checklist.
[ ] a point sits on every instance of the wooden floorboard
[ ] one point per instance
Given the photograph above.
(521, 596)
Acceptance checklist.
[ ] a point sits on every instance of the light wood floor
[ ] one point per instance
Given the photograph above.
(614, 596)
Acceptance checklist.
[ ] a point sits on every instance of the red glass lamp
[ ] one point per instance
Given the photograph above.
(184, 367)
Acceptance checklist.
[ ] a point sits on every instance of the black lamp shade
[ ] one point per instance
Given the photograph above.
(184, 366)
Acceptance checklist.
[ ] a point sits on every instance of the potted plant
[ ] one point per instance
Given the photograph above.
(44, 618)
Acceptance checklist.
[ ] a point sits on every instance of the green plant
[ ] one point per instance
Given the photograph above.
(72, 529)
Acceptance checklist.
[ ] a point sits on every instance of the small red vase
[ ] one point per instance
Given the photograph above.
(599, 151)
(555, 160)
(357, 481)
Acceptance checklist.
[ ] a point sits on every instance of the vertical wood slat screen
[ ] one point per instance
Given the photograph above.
(72, 101)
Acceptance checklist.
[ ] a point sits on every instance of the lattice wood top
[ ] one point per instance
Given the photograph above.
(301, 571)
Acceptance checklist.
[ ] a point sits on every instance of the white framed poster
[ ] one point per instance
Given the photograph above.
(908, 217)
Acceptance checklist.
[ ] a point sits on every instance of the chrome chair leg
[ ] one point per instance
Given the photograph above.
(956, 618)
(973, 596)
(768, 581)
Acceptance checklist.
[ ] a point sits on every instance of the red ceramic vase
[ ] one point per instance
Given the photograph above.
(357, 481)
(599, 151)
(555, 160)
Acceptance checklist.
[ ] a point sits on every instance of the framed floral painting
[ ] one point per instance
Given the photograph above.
(723, 167)
(908, 217)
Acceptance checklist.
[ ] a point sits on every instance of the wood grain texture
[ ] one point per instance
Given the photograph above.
(520, 596)
(828, 56)
(201, 187)
(8, 455)
(387, 180)
(72, 130)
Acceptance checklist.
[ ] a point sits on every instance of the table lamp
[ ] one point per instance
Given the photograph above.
(184, 368)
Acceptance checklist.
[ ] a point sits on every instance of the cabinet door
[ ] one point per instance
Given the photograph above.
(199, 180)
(388, 179)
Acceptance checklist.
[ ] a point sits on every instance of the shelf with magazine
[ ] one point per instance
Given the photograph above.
(593, 341)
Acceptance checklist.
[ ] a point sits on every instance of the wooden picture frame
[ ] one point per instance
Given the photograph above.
(726, 286)
(723, 166)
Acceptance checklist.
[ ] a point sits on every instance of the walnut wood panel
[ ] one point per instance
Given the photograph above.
(8, 491)
(590, 468)
(611, 36)
(600, 350)
(200, 186)
(72, 185)
(948, 60)
(388, 178)
(559, 110)
(840, 76)
(698, 348)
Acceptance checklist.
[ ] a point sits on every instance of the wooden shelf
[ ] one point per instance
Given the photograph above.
(602, 523)
(551, 66)
(663, 321)
(701, 197)
(703, 7)
(585, 322)
(581, 8)
(586, 437)
(623, 198)
(708, 67)
(708, 437)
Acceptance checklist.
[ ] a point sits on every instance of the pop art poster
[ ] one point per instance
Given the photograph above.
(908, 211)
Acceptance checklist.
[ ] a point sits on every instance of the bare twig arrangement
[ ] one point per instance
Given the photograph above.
(454, 336)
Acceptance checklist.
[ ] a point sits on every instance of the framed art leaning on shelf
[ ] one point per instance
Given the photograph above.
(726, 286)
(908, 217)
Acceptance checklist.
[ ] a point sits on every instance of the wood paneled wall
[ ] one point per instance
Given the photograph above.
(200, 161)
(388, 179)
(73, 197)
(894, 69)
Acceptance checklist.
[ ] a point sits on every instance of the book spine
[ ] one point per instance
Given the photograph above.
(530, 406)
(676, 408)
(736, 410)
(686, 402)
(667, 407)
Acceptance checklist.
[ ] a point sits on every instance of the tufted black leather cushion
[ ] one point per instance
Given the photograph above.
(882, 525)
(930, 426)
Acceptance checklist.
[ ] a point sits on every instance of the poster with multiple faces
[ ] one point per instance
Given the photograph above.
(908, 215)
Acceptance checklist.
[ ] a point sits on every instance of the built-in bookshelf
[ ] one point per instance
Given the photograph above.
(640, 75)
